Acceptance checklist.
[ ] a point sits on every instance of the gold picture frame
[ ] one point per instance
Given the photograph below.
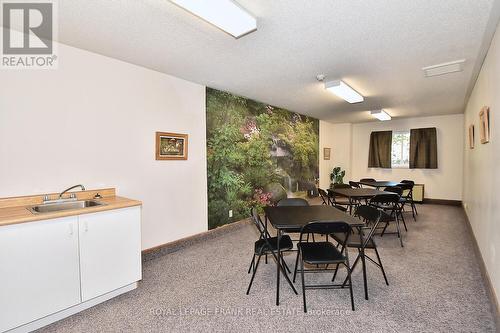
(326, 153)
(472, 138)
(484, 124)
(171, 146)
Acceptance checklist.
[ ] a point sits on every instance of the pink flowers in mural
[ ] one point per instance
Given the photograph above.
(262, 198)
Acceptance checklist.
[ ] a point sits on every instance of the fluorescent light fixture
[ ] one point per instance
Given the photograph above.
(342, 90)
(446, 68)
(224, 14)
(380, 115)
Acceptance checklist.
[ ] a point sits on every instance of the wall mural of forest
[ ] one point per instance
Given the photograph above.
(256, 155)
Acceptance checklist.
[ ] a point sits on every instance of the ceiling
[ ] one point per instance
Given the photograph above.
(377, 47)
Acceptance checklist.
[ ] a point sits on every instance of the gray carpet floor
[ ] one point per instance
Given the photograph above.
(435, 286)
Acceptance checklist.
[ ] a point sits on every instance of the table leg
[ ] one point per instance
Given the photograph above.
(278, 268)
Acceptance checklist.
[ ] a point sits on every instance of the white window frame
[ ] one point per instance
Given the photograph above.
(402, 131)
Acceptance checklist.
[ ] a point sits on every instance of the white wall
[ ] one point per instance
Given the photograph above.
(93, 121)
(442, 183)
(482, 165)
(338, 138)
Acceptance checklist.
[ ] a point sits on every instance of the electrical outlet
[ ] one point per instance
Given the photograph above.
(230, 213)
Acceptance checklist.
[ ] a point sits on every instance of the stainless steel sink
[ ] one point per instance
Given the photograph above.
(65, 205)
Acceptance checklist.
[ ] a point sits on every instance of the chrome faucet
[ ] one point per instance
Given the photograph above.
(72, 194)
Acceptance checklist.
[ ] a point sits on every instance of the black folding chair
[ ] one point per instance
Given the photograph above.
(267, 245)
(407, 198)
(399, 191)
(324, 196)
(323, 253)
(364, 240)
(388, 203)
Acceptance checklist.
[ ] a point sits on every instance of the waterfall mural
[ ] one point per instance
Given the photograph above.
(256, 155)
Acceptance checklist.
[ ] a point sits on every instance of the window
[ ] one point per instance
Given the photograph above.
(400, 154)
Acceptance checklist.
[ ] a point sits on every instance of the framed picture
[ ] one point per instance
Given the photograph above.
(471, 137)
(326, 153)
(484, 119)
(171, 146)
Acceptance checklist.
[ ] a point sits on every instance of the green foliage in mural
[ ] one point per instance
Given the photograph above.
(252, 147)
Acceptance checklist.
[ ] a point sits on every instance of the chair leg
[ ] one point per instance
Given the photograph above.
(284, 264)
(335, 274)
(303, 284)
(352, 268)
(383, 230)
(253, 275)
(403, 219)
(296, 264)
(381, 266)
(414, 210)
(252, 264)
(399, 232)
(350, 284)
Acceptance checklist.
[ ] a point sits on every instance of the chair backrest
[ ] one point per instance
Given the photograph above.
(390, 200)
(407, 189)
(372, 216)
(336, 186)
(394, 189)
(354, 184)
(323, 195)
(404, 181)
(293, 202)
(387, 198)
(367, 180)
(326, 228)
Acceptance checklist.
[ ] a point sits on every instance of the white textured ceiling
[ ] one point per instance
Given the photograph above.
(377, 46)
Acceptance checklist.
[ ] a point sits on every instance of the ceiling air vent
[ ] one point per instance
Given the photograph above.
(446, 68)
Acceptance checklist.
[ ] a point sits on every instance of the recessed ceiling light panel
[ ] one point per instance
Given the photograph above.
(445, 68)
(380, 115)
(226, 15)
(342, 90)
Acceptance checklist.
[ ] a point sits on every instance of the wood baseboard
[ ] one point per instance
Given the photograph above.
(160, 250)
(442, 202)
(495, 307)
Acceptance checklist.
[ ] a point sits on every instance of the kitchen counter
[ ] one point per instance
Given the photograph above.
(15, 210)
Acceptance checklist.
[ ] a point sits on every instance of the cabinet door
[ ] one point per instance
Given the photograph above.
(110, 250)
(39, 271)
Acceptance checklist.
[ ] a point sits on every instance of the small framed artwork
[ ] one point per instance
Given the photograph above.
(326, 153)
(171, 146)
(484, 123)
(471, 137)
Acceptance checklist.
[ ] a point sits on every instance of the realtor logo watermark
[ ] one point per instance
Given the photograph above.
(28, 32)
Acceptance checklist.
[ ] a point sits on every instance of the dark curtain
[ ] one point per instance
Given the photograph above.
(379, 155)
(423, 148)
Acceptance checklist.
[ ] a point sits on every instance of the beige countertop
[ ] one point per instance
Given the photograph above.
(15, 210)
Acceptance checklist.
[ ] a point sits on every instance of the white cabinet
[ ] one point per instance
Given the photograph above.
(53, 268)
(39, 270)
(110, 250)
